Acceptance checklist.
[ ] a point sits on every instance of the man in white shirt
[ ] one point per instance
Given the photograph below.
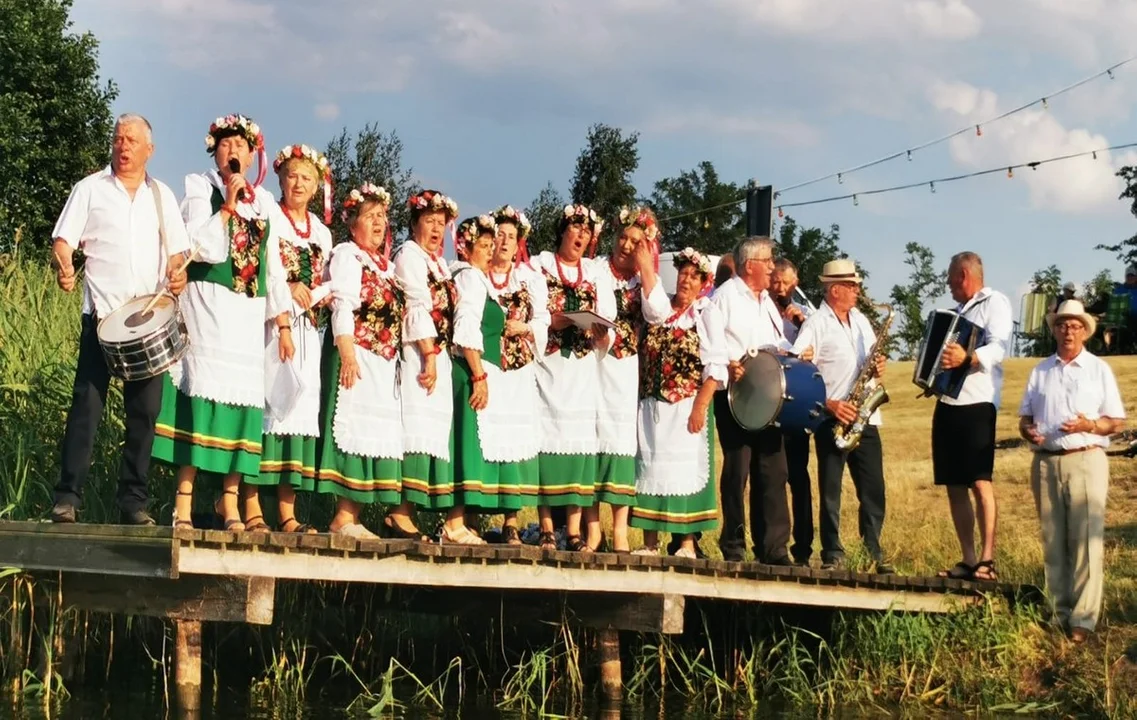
(1069, 409)
(842, 338)
(745, 315)
(963, 428)
(783, 283)
(113, 215)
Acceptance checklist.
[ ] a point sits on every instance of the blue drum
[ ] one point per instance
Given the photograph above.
(779, 390)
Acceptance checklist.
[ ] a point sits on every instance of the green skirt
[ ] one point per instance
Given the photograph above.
(567, 479)
(287, 460)
(365, 480)
(485, 484)
(682, 514)
(616, 479)
(208, 435)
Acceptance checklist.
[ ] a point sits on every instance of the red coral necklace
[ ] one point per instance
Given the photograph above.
(302, 234)
(679, 313)
(561, 272)
(503, 285)
(621, 274)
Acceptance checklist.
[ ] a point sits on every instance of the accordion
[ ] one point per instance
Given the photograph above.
(942, 328)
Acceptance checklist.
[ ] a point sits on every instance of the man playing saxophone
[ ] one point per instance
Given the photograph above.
(846, 352)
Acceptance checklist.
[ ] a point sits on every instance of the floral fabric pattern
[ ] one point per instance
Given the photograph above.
(246, 239)
(567, 298)
(670, 366)
(516, 352)
(305, 264)
(444, 298)
(379, 319)
(629, 321)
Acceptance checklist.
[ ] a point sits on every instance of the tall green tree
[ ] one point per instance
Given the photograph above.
(1126, 250)
(544, 213)
(1045, 281)
(55, 116)
(376, 157)
(603, 176)
(1099, 286)
(705, 211)
(925, 283)
(809, 249)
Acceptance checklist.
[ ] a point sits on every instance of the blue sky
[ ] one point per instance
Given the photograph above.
(493, 98)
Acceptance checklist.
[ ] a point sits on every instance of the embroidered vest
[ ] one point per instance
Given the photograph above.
(516, 352)
(379, 318)
(305, 264)
(443, 300)
(629, 321)
(670, 367)
(244, 271)
(564, 298)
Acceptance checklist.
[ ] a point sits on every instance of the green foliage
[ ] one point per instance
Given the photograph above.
(693, 199)
(373, 157)
(1047, 281)
(603, 176)
(55, 117)
(925, 284)
(1126, 250)
(543, 213)
(1099, 286)
(809, 249)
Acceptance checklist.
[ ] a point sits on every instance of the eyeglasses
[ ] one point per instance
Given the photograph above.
(1069, 326)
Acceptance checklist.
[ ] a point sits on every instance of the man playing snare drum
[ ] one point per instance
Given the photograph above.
(113, 216)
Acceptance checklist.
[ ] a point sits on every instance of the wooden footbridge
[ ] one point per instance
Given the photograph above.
(195, 576)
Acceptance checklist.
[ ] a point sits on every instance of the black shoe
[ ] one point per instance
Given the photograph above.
(136, 517)
(63, 512)
(833, 564)
(801, 562)
(883, 567)
(783, 561)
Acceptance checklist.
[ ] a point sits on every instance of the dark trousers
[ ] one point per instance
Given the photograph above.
(142, 400)
(761, 457)
(801, 494)
(866, 465)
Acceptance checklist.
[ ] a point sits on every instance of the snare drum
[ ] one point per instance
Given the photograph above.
(779, 390)
(139, 346)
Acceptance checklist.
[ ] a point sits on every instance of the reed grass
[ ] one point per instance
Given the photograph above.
(368, 650)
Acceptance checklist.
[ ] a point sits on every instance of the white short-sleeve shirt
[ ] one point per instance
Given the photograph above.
(1057, 391)
(839, 350)
(119, 237)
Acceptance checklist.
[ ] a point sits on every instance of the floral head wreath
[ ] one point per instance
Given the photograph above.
(644, 219)
(244, 127)
(367, 192)
(305, 152)
(691, 256)
(434, 201)
(585, 215)
(507, 214)
(469, 230)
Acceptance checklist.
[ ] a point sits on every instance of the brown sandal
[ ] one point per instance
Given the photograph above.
(510, 535)
(547, 541)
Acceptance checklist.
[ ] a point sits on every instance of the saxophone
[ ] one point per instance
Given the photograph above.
(864, 397)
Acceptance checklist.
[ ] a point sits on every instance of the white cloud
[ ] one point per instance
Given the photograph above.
(1075, 185)
(326, 111)
(853, 22)
(787, 131)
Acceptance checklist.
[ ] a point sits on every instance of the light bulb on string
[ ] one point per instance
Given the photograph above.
(780, 213)
(932, 187)
(978, 131)
(909, 156)
(1110, 73)
(840, 179)
(1045, 105)
(1095, 154)
(706, 224)
(1010, 172)
(856, 201)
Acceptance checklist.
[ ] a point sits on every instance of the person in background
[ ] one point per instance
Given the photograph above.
(116, 216)
(725, 270)
(1069, 409)
(783, 283)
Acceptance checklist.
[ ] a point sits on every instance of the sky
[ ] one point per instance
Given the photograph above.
(493, 99)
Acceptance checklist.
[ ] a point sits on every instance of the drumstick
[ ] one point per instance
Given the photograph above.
(158, 296)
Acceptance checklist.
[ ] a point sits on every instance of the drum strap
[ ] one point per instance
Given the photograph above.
(157, 193)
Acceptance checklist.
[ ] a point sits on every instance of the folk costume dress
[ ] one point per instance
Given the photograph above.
(568, 381)
(361, 452)
(428, 442)
(674, 467)
(213, 400)
(619, 383)
(290, 439)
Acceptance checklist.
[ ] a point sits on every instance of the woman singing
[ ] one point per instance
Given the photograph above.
(568, 377)
(288, 459)
(639, 296)
(681, 366)
(213, 400)
(362, 456)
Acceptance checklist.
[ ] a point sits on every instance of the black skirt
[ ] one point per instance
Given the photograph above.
(963, 443)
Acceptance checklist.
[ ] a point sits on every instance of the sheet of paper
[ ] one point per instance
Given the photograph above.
(585, 319)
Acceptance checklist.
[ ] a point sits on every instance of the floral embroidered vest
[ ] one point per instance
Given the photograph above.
(305, 264)
(629, 320)
(379, 319)
(244, 273)
(443, 301)
(565, 298)
(670, 367)
(516, 352)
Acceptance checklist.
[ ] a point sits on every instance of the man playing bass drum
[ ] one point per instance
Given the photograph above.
(842, 340)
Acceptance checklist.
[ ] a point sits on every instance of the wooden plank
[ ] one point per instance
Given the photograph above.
(402, 570)
(207, 598)
(118, 531)
(131, 554)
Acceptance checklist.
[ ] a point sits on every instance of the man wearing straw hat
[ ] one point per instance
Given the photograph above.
(115, 216)
(1069, 409)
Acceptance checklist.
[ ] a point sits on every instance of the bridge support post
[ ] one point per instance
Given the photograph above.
(611, 672)
(187, 664)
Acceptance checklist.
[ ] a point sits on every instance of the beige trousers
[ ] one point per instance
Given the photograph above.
(1069, 495)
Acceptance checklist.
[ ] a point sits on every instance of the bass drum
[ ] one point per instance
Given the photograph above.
(779, 390)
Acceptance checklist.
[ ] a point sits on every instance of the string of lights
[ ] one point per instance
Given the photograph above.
(931, 184)
(977, 128)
